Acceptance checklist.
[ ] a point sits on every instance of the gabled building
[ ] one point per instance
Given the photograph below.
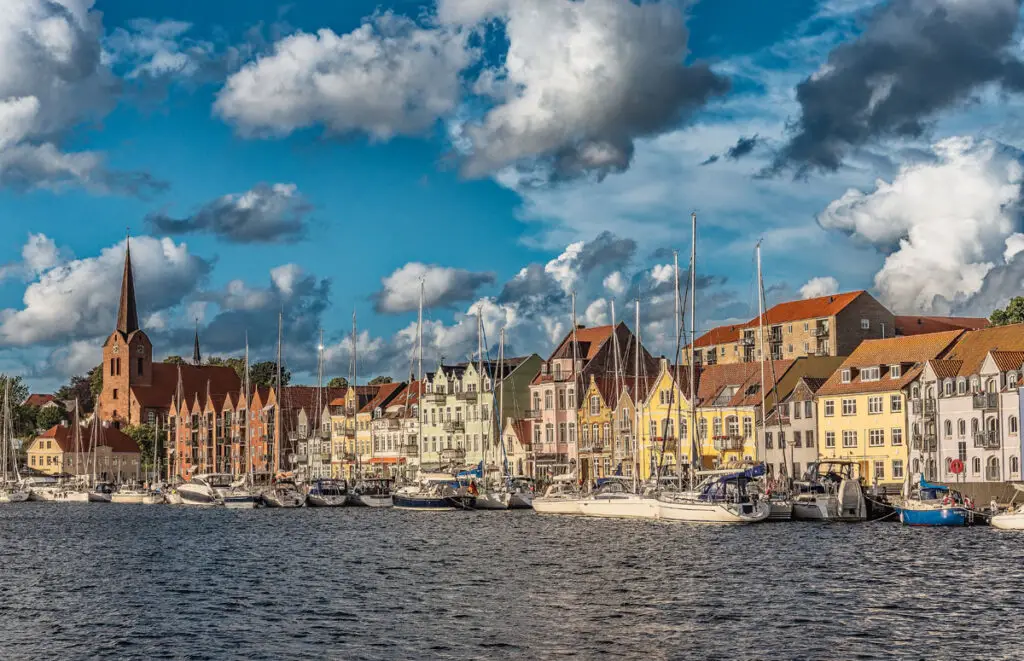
(343, 429)
(395, 433)
(306, 428)
(789, 435)
(665, 420)
(57, 452)
(862, 408)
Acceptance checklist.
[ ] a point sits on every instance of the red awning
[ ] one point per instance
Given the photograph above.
(387, 460)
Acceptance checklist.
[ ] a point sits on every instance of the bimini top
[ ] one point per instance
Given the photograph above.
(934, 487)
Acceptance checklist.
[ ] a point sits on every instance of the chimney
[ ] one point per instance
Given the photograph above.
(580, 326)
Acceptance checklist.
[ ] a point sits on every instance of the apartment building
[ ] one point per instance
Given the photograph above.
(788, 439)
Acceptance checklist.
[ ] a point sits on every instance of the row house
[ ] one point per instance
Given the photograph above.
(862, 408)
(966, 406)
(395, 433)
(602, 351)
(306, 429)
(518, 441)
(344, 410)
(788, 438)
(598, 431)
(367, 438)
(831, 325)
(665, 420)
(58, 451)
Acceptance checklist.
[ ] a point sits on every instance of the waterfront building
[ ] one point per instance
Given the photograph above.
(789, 435)
(862, 408)
(825, 326)
(372, 409)
(624, 460)
(665, 420)
(306, 431)
(343, 429)
(395, 431)
(54, 453)
(518, 441)
(966, 406)
(597, 428)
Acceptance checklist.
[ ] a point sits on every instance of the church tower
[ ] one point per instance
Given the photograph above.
(127, 356)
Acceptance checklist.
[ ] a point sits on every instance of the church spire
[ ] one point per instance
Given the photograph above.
(197, 356)
(127, 314)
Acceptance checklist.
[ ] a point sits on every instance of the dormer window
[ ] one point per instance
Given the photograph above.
(870, 374)
(975, 385)
(947, 388)
(895, 371)
(961, 386)
(377, 412)
(846, 375)
(558, 371)
(544, 368)
(1011, 379)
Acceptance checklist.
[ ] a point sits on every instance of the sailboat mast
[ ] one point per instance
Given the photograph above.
(7, 425)
(480, 375)
(249, 468)
(501, 398)
(280, 394)
(355, 386)
(678, 385)
(616, 430)
(577, 385)
(760, 321)
(419, 399)
(636, 404)
(319, 406)
(697, 459)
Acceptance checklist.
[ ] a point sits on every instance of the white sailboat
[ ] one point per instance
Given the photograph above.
(242, 494)
(283, 492)
(11, 490)
(1012, 519)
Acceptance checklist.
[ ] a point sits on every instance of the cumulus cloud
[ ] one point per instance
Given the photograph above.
(53, 78)
(39, 254)
(265, 214)
(388, 77)
(820, 286)
(78, 299)
(943, 225)
(579, 83)
(914, 59)
(442, 287)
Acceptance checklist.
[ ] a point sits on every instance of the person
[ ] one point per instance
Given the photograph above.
(472, 488)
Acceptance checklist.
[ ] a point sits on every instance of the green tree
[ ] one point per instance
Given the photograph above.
(19, 391)
(96, 381)
(78, 387)
(143, 437)
(48, 416)
(338, 382)
(1013, 313)
(380, 380)
(265, 374)
(175, 360)
(237, 364)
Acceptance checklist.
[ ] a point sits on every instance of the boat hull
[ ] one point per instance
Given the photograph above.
(14, 496)
(240, 502)
(371, 500)
(127, 498)
(492, 501)
(153, 499)
(945, 516)
(97, 497)
(521, 501)
(326, 500)
(635, 507)
(1008, 521)
(433, 503)
(780, 510)
(283, 499)
(707, 512)
(557, 506)
(198, 497)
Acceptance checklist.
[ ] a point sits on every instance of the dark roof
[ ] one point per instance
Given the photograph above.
(127, 313)
(912, 325)
(194, 381)
(385, 393)
(38, 400)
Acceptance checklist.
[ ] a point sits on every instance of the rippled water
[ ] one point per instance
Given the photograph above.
(80, 581)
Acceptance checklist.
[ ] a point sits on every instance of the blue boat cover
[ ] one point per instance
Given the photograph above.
(934, 487)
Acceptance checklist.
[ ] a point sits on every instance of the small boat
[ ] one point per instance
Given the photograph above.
(935, 505)
(328, 493)
(102, 492)
(198, 492)
(235, 495)
(12, 493)
(129, 496)
(722, 497)
(1012, 519)
(436, 493)
(372, 493)
(614, 499)
(831, 492)
(283, 493)
(561, 497)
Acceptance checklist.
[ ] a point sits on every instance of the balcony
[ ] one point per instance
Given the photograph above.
(455, 426)
(819, 331)
(434, 398)
(822, 350)
(532, 414)
(393, 423)
(409, 450)
(728, 443)
(467, 395)
(747, 341)
(986, 401)
(924, 442)
(987, 440)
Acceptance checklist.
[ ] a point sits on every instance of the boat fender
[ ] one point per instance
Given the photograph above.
(947, 500)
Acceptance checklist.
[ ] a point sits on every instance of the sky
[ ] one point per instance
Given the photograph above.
(322, 160)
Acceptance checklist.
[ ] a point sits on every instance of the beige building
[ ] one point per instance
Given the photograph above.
(57, 452)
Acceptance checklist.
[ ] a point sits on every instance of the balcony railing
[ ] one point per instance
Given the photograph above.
(986, 401)
(532, 414)
(410, 450)
(454, 426)
(988, 439)
(924, 444)
(467, 395)
(727, 443)
(747, 340)
(392, 423)
(434, 398)
(819, 331)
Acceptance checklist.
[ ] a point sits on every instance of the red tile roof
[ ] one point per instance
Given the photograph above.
(719, 335)
(1008, 360)
(902, 350)
(589, 341)
(911, 325)
(523, 429)
(974, 346)
(110, 437)
(810, 308)
(38, 400)
(385, 393)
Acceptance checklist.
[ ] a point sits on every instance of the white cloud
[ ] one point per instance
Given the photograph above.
(597, 313)
(39, 254)
(562, 268)
(615, 283)
(943, 225)
(78, 299)
(387, 77)
(442, 286)
(662, 273)
(820, 286)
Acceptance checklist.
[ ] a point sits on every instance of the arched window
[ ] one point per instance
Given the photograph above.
(915, 392)
(683, 427)
(733, 425)
(975, 385)
(931, 469)
(992, 469)
(961, 427)
(585, 430)
(961, 386)
(974, 426)
(916, 466)
(993, 424)
(1014, 464)
(976, 465)
(947, 388)
(949, 465)
(1011, 379)
(607, 429)
(991, 386)
(948, 428)
(1013, 424)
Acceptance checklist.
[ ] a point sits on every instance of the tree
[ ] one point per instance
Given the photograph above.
(265, 374)
(19, 391)
(48, 416)
(143, 437)
(338, 382)
(1013, 313)
(78, 387)
(96, 381)
(175, 360)
(380, 380)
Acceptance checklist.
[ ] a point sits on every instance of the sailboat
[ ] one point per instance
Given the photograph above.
(283, 492)
(935, 505)
(830, 492)
(242, 494)
(614, 499)
(324, 492)
(11, 490)
(99, 492)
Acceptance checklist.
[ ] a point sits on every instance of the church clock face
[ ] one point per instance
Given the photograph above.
(117, 348)
(140, 349)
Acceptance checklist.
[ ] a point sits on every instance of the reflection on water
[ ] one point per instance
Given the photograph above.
(140, 582)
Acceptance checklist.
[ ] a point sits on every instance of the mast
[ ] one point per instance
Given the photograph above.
(480, 375)
(280, 394)
(636, 403)
(419, 399)
(78, 440)
(577, 384)
(355, 391)
(7, 450)
(696, 459)
(95, 439)
(250, 470)
(678, 385)
(501, 401)
(760, 323)
(616, 430)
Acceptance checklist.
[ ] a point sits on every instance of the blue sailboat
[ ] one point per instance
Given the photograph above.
(936, 505)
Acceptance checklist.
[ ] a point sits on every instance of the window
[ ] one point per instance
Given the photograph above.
(549, 433)
(947, 428)
(896, 434)
(782, 440)
(572, 398)
(654, 429)
(895, 371)
(796, 469)
(682, 429)
(947, 388)
(876, 437)
(808, 409)
(895, 404)
(870, 374)
(809, 438)
(879, 470)
(830, 439)
(536, 401)
(849, 438)
(849, 407)
(897, 469)
(874, 405)
(139, 363)
(549, 399)
(716, 426)
(961, 450)
(561, 432)
(976, 466)
(1014, 465)
(768, 443)
(1011, 379)
(846, 376)
(961, 386)
(702, 429)
(115, 393)
(865, 324)
(561, 399)
(586, 433)
(595, 405)
(830, 408)
(1013, 424)
(797, 439)
(796, 409)
(748, 428)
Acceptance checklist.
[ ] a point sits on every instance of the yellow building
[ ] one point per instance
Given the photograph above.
(56, 452)
(862, 408)
(665, 411)
(343, 428)
(597, 429)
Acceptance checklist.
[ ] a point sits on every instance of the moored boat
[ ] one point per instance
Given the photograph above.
(436, 493)
(830, 492)
(722, 497)
(935, 505)
(561, 497)
(372, 493)
(283, 493)
(328, 493)
(1012, 519)
(613, 499)
(197, 492)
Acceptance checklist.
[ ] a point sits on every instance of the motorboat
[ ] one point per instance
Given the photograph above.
(101, 492)
(615, 499)
(522, 493)
(328, 493)
(372, 493)
(437, 492)
(199, 492)
(129, 496)
(721, 497)
(830, 492)
(935, 505)
(561, 497)
(13, 493)
(1011, 519)
(283, 493)
(236, 495)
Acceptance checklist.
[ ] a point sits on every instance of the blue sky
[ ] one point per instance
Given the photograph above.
(320, 158)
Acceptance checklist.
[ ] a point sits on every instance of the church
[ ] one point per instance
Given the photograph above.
(135, 389)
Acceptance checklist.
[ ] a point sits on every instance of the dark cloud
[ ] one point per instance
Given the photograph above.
(710, 159)
(915, 58)
(265, 214)
(443, 287)
(743, 147)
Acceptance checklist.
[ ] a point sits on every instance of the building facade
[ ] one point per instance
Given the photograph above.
(789, 435)
(57, 452)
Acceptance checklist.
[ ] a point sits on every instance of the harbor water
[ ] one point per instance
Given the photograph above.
(135, 582)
